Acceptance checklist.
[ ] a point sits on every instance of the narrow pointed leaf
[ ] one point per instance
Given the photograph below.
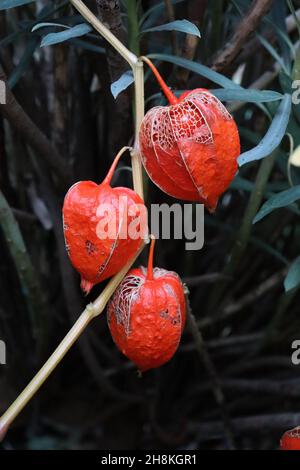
(247, 95)
(122, 83)
(197, 68)
(283, 199)
(152, 13)
(273, 136)
(6, 4)
(45, 25)
(74, 32)
(183, 26)
(292, 279)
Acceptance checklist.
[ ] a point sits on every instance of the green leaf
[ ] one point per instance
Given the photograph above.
(122, 83)
(292, 279)
(74, 32)
(283, 199)
(250, 96)
(241, 184)
(296, 67)
(24, 62)
(272, 51)
(197, 68)
(273, 136)
(183, 26)
(6, 4)
(44, 25)
(296, 19)
(89, 46)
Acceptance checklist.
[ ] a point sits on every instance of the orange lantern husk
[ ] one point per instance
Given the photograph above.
(95, 218)
(190, 148)
(147, 314)
(291, 439)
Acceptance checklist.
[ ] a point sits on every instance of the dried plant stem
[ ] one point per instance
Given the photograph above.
(96, 308)
(137, 170)
(138, 72)
(105, 32)
(91, 311)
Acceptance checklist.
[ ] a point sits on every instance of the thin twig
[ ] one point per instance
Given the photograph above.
(212, 373)
(91, 311)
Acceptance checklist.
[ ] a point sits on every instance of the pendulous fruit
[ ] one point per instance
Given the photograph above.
(190, 148)
(96, 218)
(291, 439)
(146, 315)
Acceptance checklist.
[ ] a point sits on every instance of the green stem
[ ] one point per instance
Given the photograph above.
(133, 27)
(217, 10)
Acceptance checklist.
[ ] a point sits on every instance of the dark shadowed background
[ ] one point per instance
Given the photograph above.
(232, 383)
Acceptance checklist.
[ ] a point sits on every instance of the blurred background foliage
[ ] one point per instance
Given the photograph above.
(232, 383)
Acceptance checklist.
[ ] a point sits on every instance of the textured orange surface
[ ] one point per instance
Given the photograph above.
(146, 317)
(190, 149)
(291, 440)
(95, 258)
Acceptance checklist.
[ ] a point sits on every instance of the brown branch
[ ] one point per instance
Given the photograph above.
(254, 44)
(24, 125)
(171, 17)
(250, 22)
(195, 12)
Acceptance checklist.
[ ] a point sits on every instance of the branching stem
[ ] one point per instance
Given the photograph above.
(97, 307)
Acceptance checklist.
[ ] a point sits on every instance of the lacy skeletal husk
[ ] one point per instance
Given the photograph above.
(166, 125)
(120, 305)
